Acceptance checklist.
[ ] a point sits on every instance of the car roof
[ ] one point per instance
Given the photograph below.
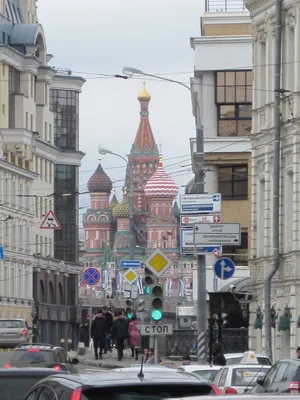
(199, 367)
(248, 366)
(235, 355)
(149, 368)
(114, 378)
(28, 371)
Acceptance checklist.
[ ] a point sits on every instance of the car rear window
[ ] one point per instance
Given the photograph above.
(147, 392)
(10, 324)
(247, 376)
(32, 357)
(16, 387)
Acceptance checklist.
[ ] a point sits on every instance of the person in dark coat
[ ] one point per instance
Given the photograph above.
(98, 332)
(109, 324)
(120, 333)
(84, 334)
(219, 358)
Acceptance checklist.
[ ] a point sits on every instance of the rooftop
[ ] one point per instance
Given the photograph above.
(225, 5)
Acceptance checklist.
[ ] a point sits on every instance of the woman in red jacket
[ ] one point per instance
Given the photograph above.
(134, 336)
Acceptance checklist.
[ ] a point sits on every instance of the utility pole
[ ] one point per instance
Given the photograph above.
(276, 180)
(201, 260)
(131, 213)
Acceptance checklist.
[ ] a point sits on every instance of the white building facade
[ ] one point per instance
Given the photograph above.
(285, 293)
(222, 82)
(27, 167)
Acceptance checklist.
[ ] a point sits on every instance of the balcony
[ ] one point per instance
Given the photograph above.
(225, 6)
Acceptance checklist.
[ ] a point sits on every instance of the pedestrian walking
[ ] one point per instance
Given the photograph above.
(186, 360)
(151, 358)
(98, 332)
(109, 319)
(120, 333)
(219, 358)
(134, 336)
(84, 334)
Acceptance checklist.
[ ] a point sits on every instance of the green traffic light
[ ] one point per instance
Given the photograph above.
(156, 315)
(147, 290)
(129, 316)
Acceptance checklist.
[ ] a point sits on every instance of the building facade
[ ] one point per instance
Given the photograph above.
(223, 86)
(28, 146)
(285, 293)
(156, 214)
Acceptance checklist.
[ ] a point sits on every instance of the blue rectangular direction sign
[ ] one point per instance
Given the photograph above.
(1, 253)
(187, 244)
(130, 264)
(200, 203)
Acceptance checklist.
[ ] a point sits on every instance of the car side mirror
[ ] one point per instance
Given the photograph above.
(260, 381)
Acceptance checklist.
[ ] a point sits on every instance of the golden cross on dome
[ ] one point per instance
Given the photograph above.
(99, 155)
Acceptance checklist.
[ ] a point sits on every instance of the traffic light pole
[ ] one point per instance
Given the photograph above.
(156, 355)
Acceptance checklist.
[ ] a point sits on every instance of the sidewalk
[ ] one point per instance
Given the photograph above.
(110, 360)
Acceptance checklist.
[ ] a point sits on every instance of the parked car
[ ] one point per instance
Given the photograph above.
(13, 332)
(236, 358)
(40, 355)
(283, 377)
(15, 382)
(238, 379)
(122, 385)
(203, 371)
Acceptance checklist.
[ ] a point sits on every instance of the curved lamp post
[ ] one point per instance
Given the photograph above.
(199, 181)
(104, 151)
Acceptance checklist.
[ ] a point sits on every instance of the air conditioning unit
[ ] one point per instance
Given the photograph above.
(185, 322)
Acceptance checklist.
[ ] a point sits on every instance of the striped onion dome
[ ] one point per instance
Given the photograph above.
(121, 210)
(161, 184)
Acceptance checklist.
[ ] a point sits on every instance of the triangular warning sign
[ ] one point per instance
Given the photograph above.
(50, 221)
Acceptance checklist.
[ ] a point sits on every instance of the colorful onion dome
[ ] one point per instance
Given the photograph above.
(99, 182)
(121, 210)
(161, 184)
(144, 96)
(114, 201)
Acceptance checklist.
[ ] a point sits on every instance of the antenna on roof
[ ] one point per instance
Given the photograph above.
(140, 374)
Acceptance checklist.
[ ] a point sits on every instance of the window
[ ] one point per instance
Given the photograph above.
(233, 182)
(234, 102)
(14, 81)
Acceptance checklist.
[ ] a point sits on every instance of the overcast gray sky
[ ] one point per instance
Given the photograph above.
(97, 36)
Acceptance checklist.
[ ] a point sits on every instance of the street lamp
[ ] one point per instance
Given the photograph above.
(104, 151)
(199, 181)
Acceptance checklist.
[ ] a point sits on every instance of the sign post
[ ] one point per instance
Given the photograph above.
(91, 276)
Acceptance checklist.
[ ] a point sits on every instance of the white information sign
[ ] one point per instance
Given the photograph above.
(217, 234)
(190, 220)
(163, 329)
(200, 203)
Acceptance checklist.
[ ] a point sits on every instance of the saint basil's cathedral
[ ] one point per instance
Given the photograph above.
(156, 214)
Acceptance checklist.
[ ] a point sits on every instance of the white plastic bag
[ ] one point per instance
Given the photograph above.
(91, 347)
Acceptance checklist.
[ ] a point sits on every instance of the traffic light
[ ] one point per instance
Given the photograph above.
(149, 281)
(129, 308)
(157, 294)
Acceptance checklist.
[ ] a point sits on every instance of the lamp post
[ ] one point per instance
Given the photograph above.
(199, 181)
(131, 199)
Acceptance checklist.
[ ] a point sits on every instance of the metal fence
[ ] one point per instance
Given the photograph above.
(225, 5)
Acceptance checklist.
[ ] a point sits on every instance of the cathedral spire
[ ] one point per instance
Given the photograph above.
(144, 143)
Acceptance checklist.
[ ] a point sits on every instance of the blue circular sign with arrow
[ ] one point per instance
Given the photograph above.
(224, 268)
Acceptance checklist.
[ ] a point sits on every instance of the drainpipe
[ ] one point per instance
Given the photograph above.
(276, 182)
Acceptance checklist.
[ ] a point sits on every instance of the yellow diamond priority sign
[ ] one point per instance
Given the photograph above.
(158, 263)
(131, 276)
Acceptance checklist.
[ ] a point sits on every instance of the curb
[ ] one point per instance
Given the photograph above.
(6, 350)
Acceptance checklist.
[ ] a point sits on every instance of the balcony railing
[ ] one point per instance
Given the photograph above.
(225, 5)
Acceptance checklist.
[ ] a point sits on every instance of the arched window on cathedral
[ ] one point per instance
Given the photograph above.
(164, 244)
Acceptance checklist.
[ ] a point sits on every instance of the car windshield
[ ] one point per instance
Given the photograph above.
(16, 387)
(147, 392)
(10, 324)
(237, 360)
(31, 357)
(207, 374)
(247, 376)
